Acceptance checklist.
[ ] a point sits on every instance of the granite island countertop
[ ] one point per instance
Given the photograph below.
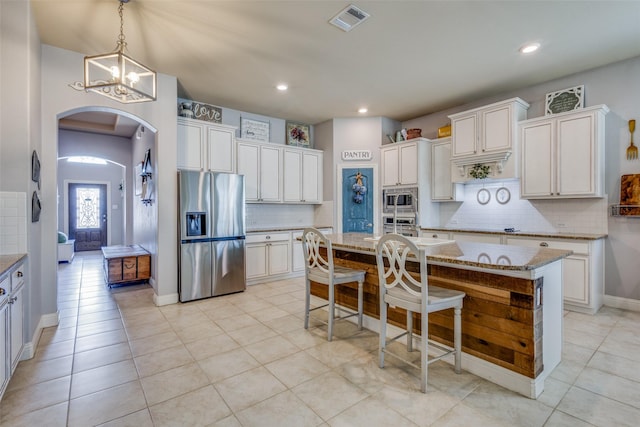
(480, 255)
(539, 234)
(8, 261)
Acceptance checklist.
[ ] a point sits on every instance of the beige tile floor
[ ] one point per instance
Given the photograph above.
(245, 360)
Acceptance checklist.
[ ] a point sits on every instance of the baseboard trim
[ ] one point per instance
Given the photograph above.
(46, 321)
(623, 303)
(165, 299)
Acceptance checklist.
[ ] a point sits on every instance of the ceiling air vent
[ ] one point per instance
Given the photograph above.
(349, 18)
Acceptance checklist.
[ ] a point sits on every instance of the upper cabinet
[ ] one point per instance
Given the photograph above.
(302, 175)
(400, 164)
(562, 156)
(205, 146)
(486, 136)
(261, 165)
(442, 189)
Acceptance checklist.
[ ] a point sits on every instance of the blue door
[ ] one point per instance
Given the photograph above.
(357, 200)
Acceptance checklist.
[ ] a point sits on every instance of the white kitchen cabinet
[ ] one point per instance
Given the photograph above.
(302, 176)
(442, 189)
(4, 347)
(205, 146)
(582, 271)
(400, 164)
(16, 314)
(486, 135)
(267, 254)
(562, 156)
(261, 164)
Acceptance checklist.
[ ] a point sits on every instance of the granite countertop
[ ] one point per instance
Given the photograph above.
(482, 255)
(281, 228)
(543, 234)
(8, 261)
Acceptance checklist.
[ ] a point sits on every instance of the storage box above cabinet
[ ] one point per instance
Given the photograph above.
(205, 146)
(486, 136)
(562, 156)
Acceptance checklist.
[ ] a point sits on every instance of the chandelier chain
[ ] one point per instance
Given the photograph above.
(121, 43)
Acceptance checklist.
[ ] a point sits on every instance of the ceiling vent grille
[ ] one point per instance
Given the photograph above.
(349, 18)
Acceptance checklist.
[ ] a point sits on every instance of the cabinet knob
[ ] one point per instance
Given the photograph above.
(435, 236)
(544, 244)
(268, 237)
(19, 274)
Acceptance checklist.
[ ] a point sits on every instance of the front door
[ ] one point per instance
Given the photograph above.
(88, 216)
(357, 200)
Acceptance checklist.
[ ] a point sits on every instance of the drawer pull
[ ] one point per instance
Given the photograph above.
(19, 274)
(435, 236)
(129, 266)
(544, 244)
(268, 237)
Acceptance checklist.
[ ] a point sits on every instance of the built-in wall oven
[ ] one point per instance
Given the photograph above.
(405, 226)
(400, 200)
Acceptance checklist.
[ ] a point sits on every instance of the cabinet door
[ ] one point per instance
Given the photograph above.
(576, 167)
(292, 176)
(190, 146)
(390, 162)
(248, 165)
(278, 257)
(536, 160)
(297, 257)
(256, 260)
(464, 131)
(220, 148)
(575, 276)
(441, 186)
(16, 309)
(4, 369)
(409, 164)
(312, 177)
(497, 130)
(270, 175)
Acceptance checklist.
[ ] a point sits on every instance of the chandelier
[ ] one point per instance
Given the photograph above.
(118, 76)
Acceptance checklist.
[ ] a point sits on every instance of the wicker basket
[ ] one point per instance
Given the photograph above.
(414, 133)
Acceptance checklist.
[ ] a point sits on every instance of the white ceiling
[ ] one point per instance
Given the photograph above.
(409, 59)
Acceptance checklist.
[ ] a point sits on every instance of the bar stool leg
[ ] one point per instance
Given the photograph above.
(457, 338)
(409, 330)
(307, 303)
(360, 283)
(331, 312)
(424, 351)
(383, 333)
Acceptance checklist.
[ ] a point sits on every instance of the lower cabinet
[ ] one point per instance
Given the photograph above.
(582, 271)
(4, 347)
(11, 322)
(267, 254)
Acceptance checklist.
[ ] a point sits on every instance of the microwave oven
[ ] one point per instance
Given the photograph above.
(400, 200)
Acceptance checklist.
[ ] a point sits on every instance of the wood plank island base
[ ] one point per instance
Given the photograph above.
(512, 314)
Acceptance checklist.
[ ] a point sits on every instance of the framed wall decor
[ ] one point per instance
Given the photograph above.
(564, 100)
(298, 134)
(35, 168)
(137, 177)
(255, 130)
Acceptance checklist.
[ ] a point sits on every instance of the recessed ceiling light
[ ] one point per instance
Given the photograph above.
(530, 48)
(362, 110)
(282, 87)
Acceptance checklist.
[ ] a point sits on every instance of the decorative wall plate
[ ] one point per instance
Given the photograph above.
(483, 196)
(503, 195)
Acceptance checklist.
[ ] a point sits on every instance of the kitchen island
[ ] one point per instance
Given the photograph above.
(512, 314)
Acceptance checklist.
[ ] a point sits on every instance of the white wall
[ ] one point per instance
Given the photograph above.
(618, 86)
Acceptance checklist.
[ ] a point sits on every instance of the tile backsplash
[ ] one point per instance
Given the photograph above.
(13, 222)
(558, 215)
(278, 215)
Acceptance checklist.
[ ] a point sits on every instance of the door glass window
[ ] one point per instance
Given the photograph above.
(87, 207)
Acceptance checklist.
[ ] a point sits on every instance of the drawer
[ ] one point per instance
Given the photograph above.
(113, 268)
(267, 237)
(144, 267)
(129, 268)
(6, 285)
(434, 235)
(17, 277)
(576, 247)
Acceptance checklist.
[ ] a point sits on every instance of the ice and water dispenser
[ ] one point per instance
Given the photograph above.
(196, 223)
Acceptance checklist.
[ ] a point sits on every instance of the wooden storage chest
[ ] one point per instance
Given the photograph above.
(124, 264)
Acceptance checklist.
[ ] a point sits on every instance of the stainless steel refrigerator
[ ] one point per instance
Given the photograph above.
(212, 234)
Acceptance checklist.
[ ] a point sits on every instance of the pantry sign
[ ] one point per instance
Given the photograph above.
(349, 155)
